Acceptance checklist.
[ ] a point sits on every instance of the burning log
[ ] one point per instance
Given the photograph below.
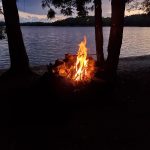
(75, 74)
(77, 68)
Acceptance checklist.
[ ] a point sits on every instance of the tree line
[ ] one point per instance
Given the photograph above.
(139, 20)
(142, 20)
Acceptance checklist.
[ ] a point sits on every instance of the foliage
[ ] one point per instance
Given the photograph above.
(67, 7)
(136, 5)
(2, 33)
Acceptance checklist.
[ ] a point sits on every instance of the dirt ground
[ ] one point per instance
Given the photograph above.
(34, 115)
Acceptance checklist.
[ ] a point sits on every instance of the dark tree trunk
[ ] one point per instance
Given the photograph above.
(99, 33)
(116, 35)
(18, 56)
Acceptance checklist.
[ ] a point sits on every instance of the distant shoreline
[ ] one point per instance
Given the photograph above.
(141, 20)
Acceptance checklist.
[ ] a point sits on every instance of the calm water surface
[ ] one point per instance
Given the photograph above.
(46, 44)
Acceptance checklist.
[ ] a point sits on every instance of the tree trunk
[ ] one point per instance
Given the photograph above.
(18, 56)
(99, 33)
(116, 35)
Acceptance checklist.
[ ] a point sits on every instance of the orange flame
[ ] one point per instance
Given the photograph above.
(81, 62)
(78, 67)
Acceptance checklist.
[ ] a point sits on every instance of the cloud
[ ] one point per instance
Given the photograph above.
(32, 11)
(28, 17)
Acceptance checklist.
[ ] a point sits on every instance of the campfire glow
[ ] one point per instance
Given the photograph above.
(82, 62)
(78, 67)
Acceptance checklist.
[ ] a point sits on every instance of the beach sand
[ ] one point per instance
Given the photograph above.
(118, 119)
(126, 65)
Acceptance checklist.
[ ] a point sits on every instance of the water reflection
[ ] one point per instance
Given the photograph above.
(46, 44)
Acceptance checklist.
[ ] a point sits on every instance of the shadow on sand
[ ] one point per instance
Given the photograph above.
(44, 113)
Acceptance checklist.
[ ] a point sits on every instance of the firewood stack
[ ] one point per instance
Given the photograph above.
(66, 67)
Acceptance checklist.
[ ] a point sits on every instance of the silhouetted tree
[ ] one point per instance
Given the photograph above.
(99, 33)
(66, 8)
(116, 36)
(18, 55)
(116, 32)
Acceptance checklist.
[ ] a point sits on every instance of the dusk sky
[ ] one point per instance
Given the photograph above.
(31, 11)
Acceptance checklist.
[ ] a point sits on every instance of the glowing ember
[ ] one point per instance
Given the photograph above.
(78, 67)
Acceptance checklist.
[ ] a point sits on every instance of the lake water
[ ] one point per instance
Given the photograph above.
(46, 44)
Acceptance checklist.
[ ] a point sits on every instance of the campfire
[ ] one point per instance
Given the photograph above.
(76, 68)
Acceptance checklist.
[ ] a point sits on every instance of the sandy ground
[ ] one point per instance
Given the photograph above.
(126, 65)
(118, 119)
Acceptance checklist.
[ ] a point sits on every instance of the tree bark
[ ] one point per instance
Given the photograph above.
(116, 35)
(99, 33)
(18, 56)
